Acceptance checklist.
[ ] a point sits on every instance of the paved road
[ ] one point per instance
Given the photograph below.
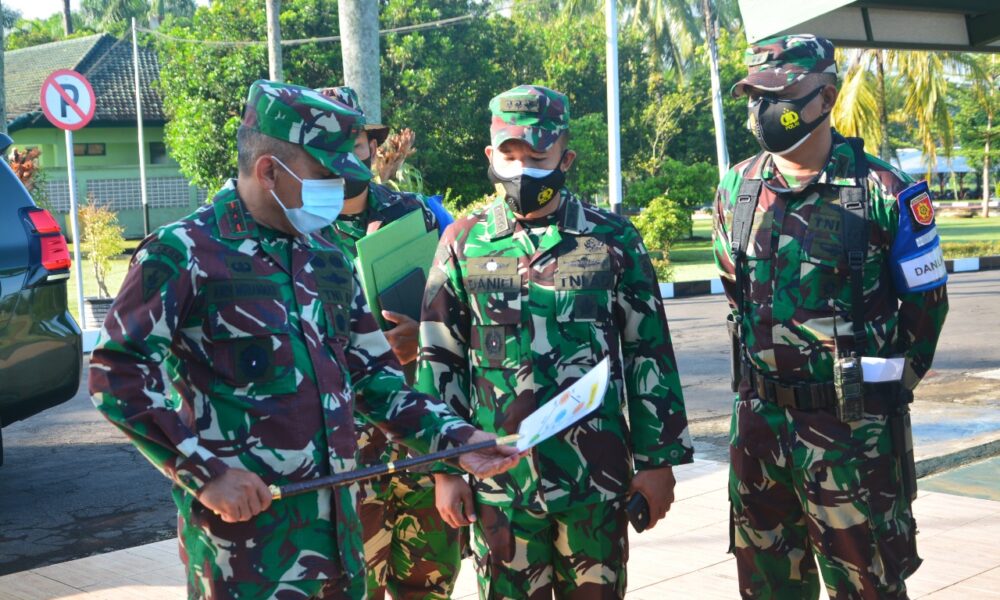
(72, 486)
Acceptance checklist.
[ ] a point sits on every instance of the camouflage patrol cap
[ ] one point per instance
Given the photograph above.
(325, 128)
(347, 96)
(778, 62)
(531, 113)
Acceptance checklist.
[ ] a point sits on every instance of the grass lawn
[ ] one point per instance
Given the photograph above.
(692, 259)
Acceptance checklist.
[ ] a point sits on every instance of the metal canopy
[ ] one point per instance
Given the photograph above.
(957, 25)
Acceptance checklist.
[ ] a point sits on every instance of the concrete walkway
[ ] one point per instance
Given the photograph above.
(684, 557)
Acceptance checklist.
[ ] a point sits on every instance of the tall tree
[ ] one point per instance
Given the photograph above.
(923, 78)
(115, 16)
(977, 119)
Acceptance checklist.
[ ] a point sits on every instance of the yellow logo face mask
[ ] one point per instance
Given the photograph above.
(790, 119)
(545, 195)
(777, 122)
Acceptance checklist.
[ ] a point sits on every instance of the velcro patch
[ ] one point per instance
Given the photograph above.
(494, 343)
(239, 265)
(492, 274)
(527, 103)
(169, 252)
(241, 289)
(155, 274)
(922, 209)
(916, 200)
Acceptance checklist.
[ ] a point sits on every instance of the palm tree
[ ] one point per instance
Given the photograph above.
(109, 14)
(923, 77)
(673, 27)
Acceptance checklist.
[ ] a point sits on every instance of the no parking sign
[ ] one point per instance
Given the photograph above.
(68, 103)
(67, 100)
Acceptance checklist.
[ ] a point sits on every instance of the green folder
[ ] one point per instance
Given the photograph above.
(393, 263)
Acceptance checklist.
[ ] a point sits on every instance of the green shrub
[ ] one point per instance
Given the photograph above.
(664, 269)
(661, 223)
(102, 239)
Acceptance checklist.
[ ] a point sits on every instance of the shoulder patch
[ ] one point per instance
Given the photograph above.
(155, 273)
(916, 200)
(169, 252)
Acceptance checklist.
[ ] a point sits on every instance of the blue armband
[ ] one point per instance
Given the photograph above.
(443, 216)
(916, 257)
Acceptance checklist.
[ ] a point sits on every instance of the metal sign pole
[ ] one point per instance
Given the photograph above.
(138, 125)
(78, 266)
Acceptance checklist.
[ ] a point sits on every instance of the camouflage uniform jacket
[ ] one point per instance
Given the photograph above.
(265, 339)
(796, 273)
(384, 207)
(511, 316)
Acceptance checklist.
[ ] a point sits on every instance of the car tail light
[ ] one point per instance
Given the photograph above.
(55, 252)
(43, 221)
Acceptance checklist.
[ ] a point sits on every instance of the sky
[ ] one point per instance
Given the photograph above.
(34, 9)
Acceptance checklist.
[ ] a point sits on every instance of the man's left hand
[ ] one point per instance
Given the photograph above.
(403, 337)
(657, 486)
(489, 462)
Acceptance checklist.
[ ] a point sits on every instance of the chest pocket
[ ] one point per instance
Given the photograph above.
(583, 287)
(759, 254)
(493, 285)
(824, 272)
(335, 287)
(583, 283)
(250, 345)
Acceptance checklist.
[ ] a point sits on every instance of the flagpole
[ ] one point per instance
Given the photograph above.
(614, 118)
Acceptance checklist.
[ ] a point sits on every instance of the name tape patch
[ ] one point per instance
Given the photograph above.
(924, 269)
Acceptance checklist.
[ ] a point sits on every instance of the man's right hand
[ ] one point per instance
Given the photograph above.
(453, 498)
(236, 496)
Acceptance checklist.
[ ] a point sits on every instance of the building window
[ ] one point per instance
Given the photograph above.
(158, 154)
(88, 150)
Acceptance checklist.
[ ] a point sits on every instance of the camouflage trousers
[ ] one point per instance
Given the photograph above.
(343, 588)
(409, 549)
(579, 554)
(806, 487)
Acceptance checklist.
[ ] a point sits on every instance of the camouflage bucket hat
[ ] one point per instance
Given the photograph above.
(326, 129)
(531, 113)
(348, 97)
(778, 62)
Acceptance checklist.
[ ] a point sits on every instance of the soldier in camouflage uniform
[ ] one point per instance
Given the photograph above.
(807, 480)
(264, 334)
(408, 547)
(524, 298)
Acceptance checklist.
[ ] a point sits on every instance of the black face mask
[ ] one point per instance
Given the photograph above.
(354, 187)
(524, 193)
(777, 123)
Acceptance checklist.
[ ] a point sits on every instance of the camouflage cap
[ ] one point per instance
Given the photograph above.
(778, 62)
(531, 113)
(325, 128)
(347, 96)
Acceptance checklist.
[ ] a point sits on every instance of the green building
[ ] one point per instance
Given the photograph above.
(106, 152)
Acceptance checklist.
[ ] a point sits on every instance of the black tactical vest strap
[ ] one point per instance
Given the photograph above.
(746, 205)
(854, 201)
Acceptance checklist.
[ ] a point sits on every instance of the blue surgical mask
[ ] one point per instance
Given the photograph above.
(322, 201)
